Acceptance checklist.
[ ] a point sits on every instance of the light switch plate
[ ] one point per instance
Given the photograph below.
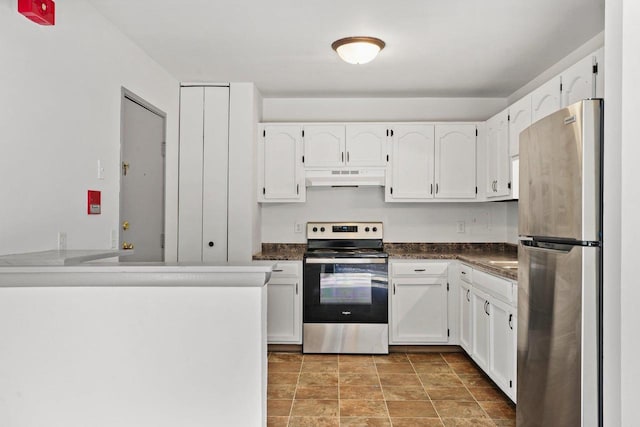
(460, 226)
(298, 227)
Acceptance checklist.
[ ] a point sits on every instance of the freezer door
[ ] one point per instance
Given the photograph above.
(557, 336)
(560, 174)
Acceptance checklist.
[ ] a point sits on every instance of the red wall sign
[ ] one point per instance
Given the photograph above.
(41, 12)
(93, 202)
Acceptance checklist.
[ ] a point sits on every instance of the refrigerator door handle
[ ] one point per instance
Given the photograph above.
(548, 246)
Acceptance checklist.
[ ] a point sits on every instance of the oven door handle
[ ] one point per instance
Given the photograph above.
(346, 260)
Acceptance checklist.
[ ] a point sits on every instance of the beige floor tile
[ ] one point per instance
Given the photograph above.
(455, 409)
(407, 380)
(416, 408)
(361, 392)
(285, 357)
(358, 368)
(362, 408)
(450, 393)
(318, 379)
(477, 380)
(416, 422)
(425, 358)
(440, 380)
(314, 408)
(505, 423)
(391, 358)
(456, 357)
(327, 367)
(395, 368)
(404, 393)
(468, 422)
(278, 408)
(282, 378)
(466, 368)
(499, 410)
(314, 422)
(358, 379)
(320, 357)
(364, 422)
(487, 394)
(284, 367)
(281, 391)
(317, 392)
(432, 368)
(277, 421)
(352, 358)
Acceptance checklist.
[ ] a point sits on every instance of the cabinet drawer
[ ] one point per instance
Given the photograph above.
(466, 273)
(500, 288)
(419, 268)
(285, 269)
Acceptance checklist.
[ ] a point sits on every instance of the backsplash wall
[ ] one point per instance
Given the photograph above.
(403, 222)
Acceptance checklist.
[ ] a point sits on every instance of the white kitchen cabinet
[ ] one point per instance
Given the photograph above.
(519, 120)
(324, 146)
(366, 145)
(418, 303)
(578, 81)
(412, 164)
(455, 161)
(284, 304)
(202, 186)
(498, 182)
(480, 328)
(466, 315)
(502, 346)
(280, 175)
(546, 99)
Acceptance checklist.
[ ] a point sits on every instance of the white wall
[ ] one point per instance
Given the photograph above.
(403, 222)
(380, 109)
(60, 106)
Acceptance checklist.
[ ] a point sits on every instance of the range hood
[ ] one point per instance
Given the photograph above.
(344, 177)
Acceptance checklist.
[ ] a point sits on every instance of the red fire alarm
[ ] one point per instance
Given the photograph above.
(93, 202)
(41, 12)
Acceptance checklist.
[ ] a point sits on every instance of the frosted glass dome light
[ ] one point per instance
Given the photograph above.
(358, 50)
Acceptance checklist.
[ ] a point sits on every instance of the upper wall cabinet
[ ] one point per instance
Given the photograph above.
(412, 164)
(579, 82)
(280, 174)
(328, 146)
(519, 120)
(455, 161)
(546, 99)
(498, 182)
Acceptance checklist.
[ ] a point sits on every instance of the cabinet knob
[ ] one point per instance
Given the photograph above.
(211, 244)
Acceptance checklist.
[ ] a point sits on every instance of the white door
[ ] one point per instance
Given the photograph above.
(142, 180)
(412, 162)
(283, 311)
(546, 99)
(455, 161)
(497, 159)
(501, 345)
(419, 310)
(281, 163)
(480, 331)
(324, 146)
(367, 145)
(519, 120)
(578, 82)
(466, 317)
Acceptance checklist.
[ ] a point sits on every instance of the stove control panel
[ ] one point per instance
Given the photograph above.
(344, 230)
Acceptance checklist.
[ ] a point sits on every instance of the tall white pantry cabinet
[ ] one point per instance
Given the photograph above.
(203, 174)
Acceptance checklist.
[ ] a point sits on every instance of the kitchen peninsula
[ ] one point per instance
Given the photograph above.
(130, 345)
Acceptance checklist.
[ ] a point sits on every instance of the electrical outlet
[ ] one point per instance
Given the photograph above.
(100, 170)
(62, 241)
(460, 227)
(298, 227)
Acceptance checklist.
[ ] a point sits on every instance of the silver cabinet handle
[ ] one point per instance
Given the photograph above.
(510, 323)
(431, 188)
(278, 270)
(468, 298)
(347, 157)
(486, 307)
(419, 269)
(342, 156)
(296, 288)
(436, 188)
(394, 288)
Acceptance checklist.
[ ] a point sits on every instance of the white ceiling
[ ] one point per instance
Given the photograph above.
(457, 48)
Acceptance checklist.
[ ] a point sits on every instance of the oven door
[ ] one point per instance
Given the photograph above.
(346, 290)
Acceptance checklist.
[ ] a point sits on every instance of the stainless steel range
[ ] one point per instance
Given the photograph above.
(346, 289)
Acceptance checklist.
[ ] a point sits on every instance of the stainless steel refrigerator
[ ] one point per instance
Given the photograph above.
(560, 264)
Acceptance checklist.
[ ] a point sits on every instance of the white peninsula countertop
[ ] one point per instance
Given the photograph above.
(126, 344)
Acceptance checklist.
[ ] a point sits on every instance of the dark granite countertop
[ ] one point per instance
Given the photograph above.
(478, 255)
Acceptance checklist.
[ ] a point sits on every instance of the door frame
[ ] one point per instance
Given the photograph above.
(126, 94)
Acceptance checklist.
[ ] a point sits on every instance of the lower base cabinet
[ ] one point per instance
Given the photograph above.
(466, 320)
(284, 304)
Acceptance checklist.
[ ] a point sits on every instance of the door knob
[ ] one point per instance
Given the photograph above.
(125, 225)
(127, 246)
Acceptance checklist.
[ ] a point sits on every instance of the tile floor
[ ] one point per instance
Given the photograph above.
(401, 389)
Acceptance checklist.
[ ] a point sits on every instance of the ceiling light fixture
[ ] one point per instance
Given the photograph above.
(358, 50)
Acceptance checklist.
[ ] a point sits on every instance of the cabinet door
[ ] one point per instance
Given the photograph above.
(455, 161)
(324, 146)
(367, 145)
(497, 156)
(281, 164)
(480, 330)
(578, 82)
(284, 318)
(466, 318)
(502, 345)
(412, 163)
(419, 310)
(546, 99)
(519, 120)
